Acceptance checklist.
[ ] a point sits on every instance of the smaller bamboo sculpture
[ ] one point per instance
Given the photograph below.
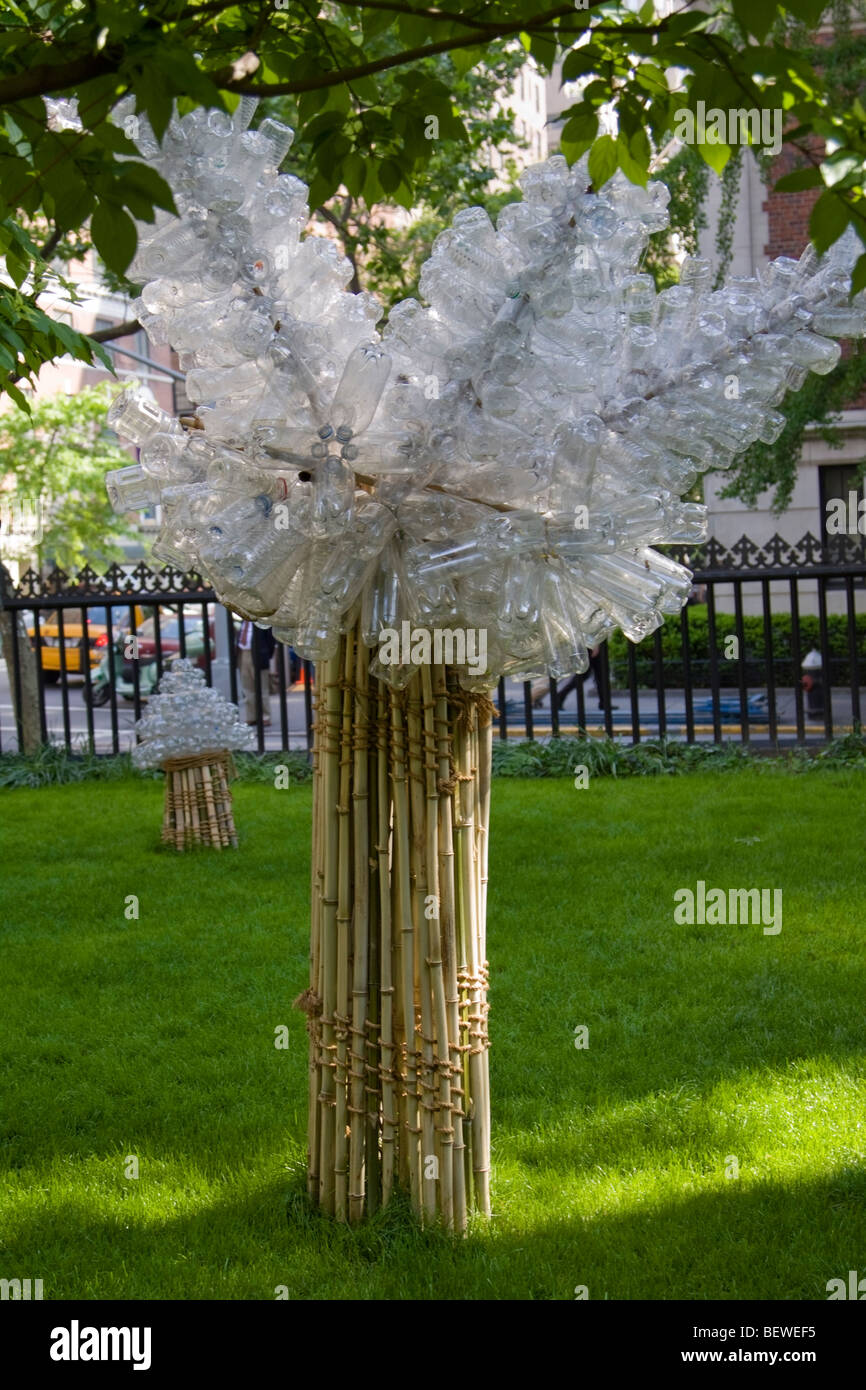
(198, 802)
(188, 730)
(397, 1003)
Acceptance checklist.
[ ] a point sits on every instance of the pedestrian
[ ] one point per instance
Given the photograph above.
(255, 649)
(595, 667)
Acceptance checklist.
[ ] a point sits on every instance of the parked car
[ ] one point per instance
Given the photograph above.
(74, 644)
(147, 664)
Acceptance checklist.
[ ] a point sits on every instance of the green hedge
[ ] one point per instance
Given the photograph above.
(786, 670)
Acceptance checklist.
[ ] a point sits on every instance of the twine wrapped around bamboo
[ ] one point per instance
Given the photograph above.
(397, 1002)
(198, 803)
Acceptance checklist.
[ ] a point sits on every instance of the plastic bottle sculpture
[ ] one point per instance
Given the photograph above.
(190, 730)
(501, 463)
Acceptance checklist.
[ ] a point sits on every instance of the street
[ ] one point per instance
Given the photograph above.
(102, 719)
(621, 716)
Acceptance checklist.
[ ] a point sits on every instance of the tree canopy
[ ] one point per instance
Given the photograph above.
(59, 454)
(373, 116)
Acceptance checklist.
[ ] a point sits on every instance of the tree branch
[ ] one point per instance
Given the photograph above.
(446, 16)
(345, 237)
(51, 244)
(47, 77)
(59, 77)
(394, 60)
(117, 330)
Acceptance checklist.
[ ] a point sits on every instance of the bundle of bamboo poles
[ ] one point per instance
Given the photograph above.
(397, 1003)
(198, 803)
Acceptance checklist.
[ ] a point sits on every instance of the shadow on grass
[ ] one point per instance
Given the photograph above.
(768, 1241)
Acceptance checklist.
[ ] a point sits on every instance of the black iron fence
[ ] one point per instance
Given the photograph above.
(729, 666)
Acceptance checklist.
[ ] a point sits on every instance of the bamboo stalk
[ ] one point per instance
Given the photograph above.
(373, 1077)
(475, 1013)
(484, 762)
(192, 778)
(344, 927)
(212, 825)
(448, 929)
(463, 883)
(179, 818)
(485, 777)
(444, 1126)
(420, 925)
(330, 758)
(314, 1015)
(360, 937)
(387, 1047)
(406, 973)
(398, 1059)
(188, 805)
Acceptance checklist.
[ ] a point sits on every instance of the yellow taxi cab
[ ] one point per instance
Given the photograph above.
(74, 646)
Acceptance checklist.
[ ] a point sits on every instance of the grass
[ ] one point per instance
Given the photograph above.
(55, 765)
(154, 1037)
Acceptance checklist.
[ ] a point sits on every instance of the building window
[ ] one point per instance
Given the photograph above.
(843, 513)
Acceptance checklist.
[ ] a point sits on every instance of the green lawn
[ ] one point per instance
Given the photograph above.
(155, 1037)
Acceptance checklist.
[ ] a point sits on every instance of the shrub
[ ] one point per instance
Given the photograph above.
(786, 670)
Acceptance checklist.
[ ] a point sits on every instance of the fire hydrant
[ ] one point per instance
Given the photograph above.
(813, 682)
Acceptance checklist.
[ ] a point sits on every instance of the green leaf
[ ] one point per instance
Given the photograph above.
(145, 178)
(330, 154)
(17, 266)
(404, 196)
(634, 156)
(543, 51)
(375, 22)
(580, 128)
(67, 336)
(324, 125)
(756, 16)
(799, 179)
(153, 97)
(372, 186)
(466, 58)
(97, 350)
(580, 61)
(841, 167)
(75, 208)
(603, 161)
(114, 236)
(828, 220)
(323, 187)
(413, 30)
(716, 156)
(390, 175)
(810, 11)
(651, 78)
(186, 76)
(18, 397)
(858, 275)
(112, 138)
(354, 173)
